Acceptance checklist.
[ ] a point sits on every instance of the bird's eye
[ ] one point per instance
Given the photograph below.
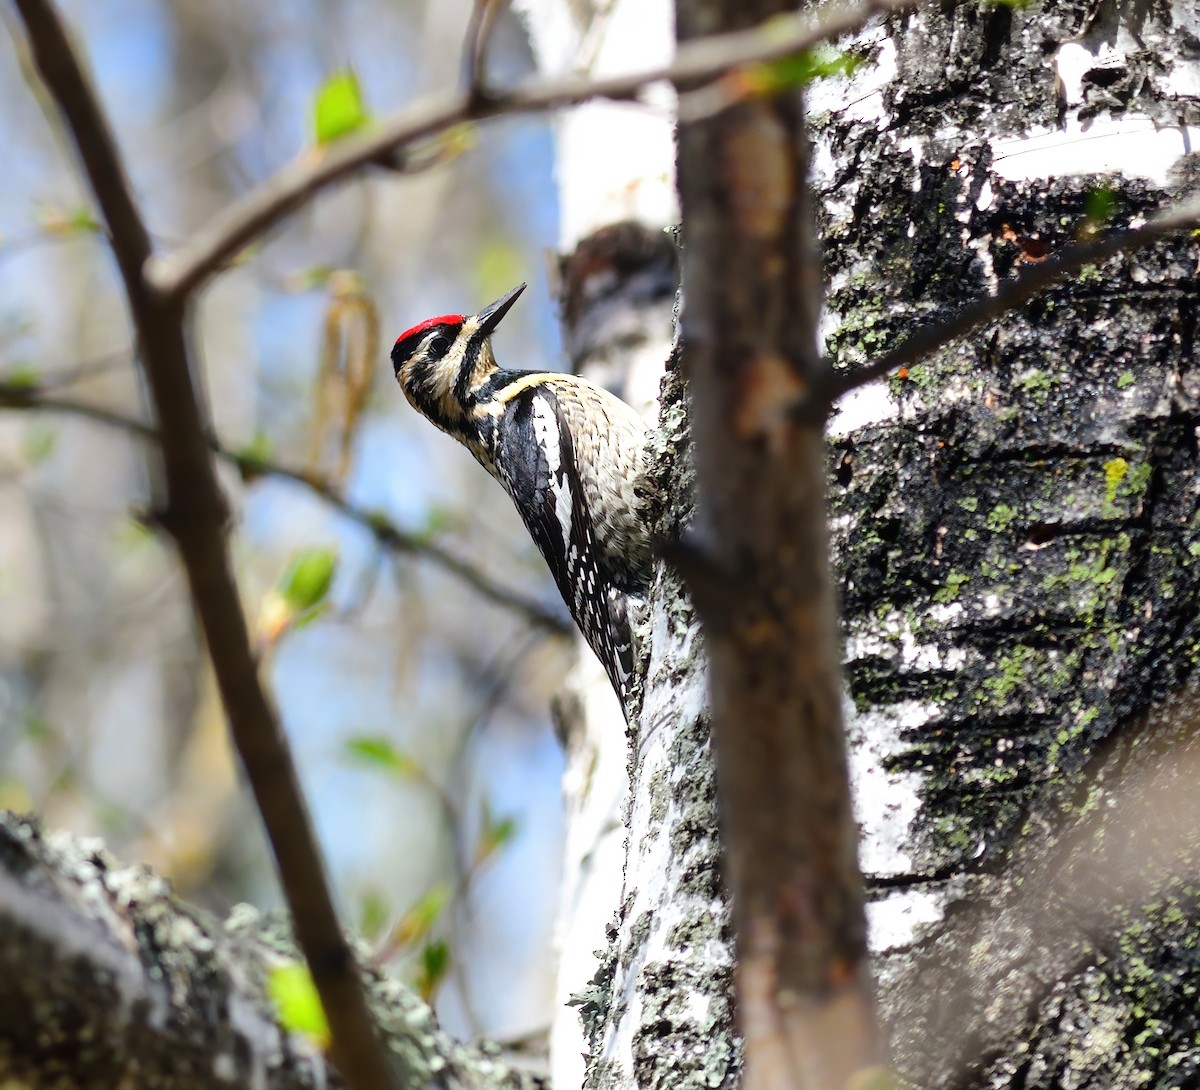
(439, 346)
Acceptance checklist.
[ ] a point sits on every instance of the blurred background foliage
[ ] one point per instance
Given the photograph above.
(417, 707)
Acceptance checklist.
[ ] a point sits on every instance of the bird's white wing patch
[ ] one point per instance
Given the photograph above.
(545, 425)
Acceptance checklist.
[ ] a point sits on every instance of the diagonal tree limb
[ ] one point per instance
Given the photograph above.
(695, 63)
(1011, 295)
(195, 516)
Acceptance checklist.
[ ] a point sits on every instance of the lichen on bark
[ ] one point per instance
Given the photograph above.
(104, 973)
(1016, 521)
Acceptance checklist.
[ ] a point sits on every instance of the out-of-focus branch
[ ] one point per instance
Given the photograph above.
(103, 972)
(46, 381)
(394, 538)
(1011, 295)
(195, 516)
(479, 34)
(695, 63)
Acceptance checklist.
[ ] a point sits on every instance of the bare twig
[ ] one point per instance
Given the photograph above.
(389, 536)
(1012, 294)
(695, 63)
(195, 516)
(479, 33)
(80, 372)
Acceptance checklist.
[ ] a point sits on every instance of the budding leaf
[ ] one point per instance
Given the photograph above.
(23, 377)
(373, 914)
(338, 109)
(799, 70)
(419, 920)
(382, 754)
(494, 834)
(64, 222)
(308, 579)
(297, 1004)
(253, 457)
(435, 963)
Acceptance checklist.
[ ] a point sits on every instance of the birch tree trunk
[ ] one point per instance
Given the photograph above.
(615, 172)
(1014, 523)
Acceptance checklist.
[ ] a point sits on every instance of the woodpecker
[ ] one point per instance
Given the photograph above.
(570, 454)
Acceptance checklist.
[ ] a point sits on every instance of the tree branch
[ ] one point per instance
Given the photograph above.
(695, 63)
(19, 397)
(764, 589)
(1011, 295)
(195, 516)
(104, 973)
(475, 51)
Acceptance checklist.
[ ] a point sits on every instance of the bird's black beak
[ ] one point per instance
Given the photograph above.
(490, 316)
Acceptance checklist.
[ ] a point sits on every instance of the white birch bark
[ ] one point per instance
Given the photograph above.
(614, 163)
(1073, 101)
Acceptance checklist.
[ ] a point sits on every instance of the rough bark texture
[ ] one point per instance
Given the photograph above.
(1017, 524)
(658, 1011)
(106, 978)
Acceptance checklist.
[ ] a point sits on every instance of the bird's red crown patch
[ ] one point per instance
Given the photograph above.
(429, 323)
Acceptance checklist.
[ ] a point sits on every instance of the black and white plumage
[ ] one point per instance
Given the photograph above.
(569, 453)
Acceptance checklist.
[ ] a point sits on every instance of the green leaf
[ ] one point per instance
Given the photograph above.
(258, 450)
(82, 220)
(373, 914)
(308, 579)
(297, 1004)
(382, 754)
(421, 918)
(338, 108)
(65, 222)
(800, 69)
(435, 963)
(24, 377)
(494, 834)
